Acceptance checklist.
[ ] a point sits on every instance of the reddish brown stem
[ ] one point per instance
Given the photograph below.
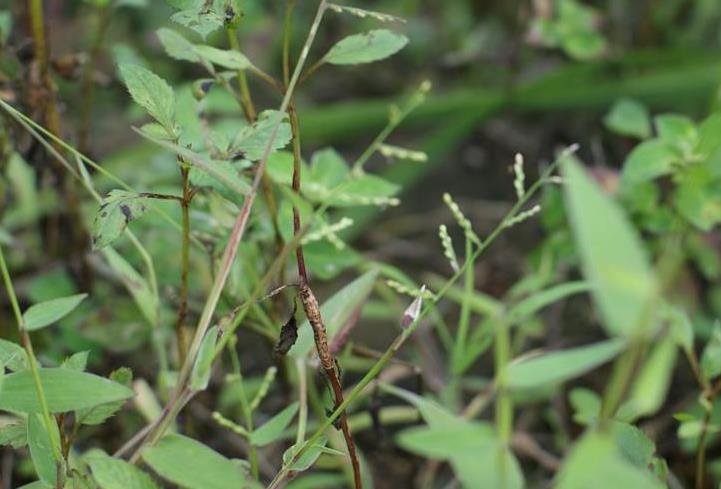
(312, 308)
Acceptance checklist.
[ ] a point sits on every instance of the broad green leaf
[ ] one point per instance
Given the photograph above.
(225, 177)
(177, 46)
(200, 376)
(651, 384)
(274, 428)
(613, 258)
(252, 141)
(364, 190)
(192, 465)
(629, 118)
(137, 286)
(433, 413)
(199, 19)
(560, 366)
(115, 213)
(336, 311)
(447, 439)
(680, 326)
(41, 449)
(649, 160)
(365, 48)
(100, 413)
(14, 435)
(152, 93)
(35, 485)
(12, 356)
(530, 305)
(65, 390)
(227, 58)
(48, 312)
(698, 197)
(328, 169)
(114, 473)
(632, 443)
(596, 463)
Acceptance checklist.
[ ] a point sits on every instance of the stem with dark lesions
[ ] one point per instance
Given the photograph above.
(312, 308)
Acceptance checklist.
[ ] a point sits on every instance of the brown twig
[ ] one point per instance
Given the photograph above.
(312, 308)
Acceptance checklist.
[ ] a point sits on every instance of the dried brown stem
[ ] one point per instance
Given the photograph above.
(312, 308)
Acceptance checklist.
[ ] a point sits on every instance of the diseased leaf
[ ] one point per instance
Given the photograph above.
(559, 366)
(192, 465)
(114, 473)
(65, 390)
(274, 428)
(623, 284)
(115, 213)
(152, 93)
(45, 313)
(366, 47)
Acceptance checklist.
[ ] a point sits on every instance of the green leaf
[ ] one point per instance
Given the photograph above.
(65, 390)
(274, 428)
(586, 405)
(14, 435)
(336, 311)
(99, 414)
(192, 465)
(152, 93)
(227, 58)
(433, 413)
(698, 197)
(623, 284)
(48, 312)
(494, 468)
(596, 463)
(198, 19)
(366, 189)
(225, 176)
(113, 473)
(41, 449)
(328, 168)
(200, 376)
(309, 456)
(445, 440)
(559, 366)
(629, 118)
(530, 305)
(12, 356)
(115, 212)
(651, 384)
(143, 295)
(177, 46)
(365, 48)
(649, 160)
(680, 326)
(711, 356)
(77, 361)
(251, 141)
(678, 131)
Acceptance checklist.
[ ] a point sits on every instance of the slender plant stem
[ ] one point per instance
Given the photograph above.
(180, 335)
(247, 100)
(701, 448)
(302, 400)
(504, 403)
(287, 35)
(465, 316)
(176, 402)
(32, 360)
(312, 309)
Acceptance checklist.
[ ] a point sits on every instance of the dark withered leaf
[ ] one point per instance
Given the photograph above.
(288, 335)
